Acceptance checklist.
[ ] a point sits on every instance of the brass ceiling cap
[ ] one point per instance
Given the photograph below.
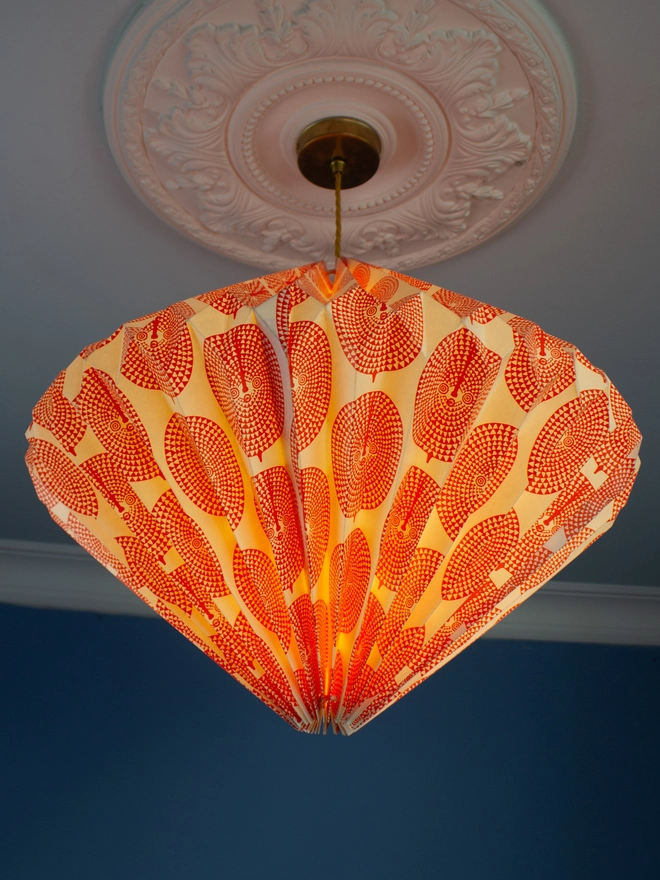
(338, 137)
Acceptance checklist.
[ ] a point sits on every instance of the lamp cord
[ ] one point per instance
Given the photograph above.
(337, 166)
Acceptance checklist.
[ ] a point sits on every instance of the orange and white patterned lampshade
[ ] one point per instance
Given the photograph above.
(333, 487)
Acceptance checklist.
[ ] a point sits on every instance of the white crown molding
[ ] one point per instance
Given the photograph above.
(474, 101)
(60, 576)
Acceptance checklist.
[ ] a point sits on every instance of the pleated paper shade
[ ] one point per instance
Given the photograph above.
(333, 487)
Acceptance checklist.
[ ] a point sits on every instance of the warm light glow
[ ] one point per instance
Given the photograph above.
(333, 488)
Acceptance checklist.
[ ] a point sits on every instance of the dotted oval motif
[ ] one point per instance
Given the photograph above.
(359, 673)
(259, 586)
(456, 379)
(159, 355)
(622, 441)
(374, 337)
(191, 544)
(304, 630)
(59, 416)
(479, 469)
(479, 553)
(202, 461)
(412, 505)
(367, 438)
(277, 507)
(114, 421)
(350, 570)
(244, 375)
(61, 477)
(362, 273)
(401, 654)
(113, 486)
(466, 307)
(540, 366)
(315, 496)
(385, 288)
(423, 565)
(230, 300)
(570, 436)
(310, 364)
(615, 491)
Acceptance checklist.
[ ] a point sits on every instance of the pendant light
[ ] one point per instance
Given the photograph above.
(332, 483)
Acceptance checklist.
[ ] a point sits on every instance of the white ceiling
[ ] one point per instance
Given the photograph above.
(80, 253)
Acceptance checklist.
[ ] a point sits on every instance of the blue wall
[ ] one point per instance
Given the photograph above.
(127, 754)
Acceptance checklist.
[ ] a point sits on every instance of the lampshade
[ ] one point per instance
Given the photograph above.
(333, 486)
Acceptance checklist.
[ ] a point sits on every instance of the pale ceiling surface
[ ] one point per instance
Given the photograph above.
(80, 254)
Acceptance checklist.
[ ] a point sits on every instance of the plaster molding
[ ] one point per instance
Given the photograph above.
(63, 576)
(474, 101)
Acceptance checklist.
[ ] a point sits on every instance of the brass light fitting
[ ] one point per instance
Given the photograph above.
(338, 138)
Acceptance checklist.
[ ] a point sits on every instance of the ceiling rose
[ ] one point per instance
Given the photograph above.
(473, 101)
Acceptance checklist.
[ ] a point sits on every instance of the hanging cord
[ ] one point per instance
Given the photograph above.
(337, 166)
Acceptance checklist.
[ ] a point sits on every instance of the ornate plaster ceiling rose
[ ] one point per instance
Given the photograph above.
(473, 101)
